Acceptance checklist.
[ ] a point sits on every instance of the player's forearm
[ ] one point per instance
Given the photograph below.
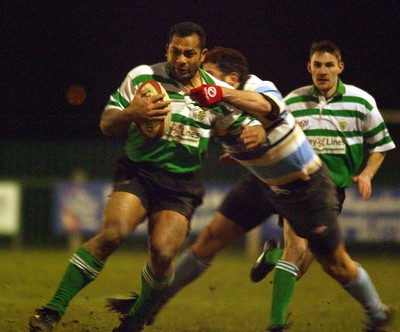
(374, 162)
(248, 101)
(115, 122)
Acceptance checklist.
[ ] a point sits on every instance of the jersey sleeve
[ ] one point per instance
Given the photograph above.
(375, 132)
(230, 117)
(268, 90)
(122, 97)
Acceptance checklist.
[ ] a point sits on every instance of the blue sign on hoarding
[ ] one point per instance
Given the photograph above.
(79, 206)
(376, 220)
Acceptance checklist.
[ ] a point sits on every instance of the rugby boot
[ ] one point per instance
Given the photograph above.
(382, 325)
(129, 324)
(44, 320)
(278, 328)
(261, 268)
(122, 306)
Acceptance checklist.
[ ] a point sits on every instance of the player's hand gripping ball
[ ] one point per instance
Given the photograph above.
(153, 130)
(207, 94)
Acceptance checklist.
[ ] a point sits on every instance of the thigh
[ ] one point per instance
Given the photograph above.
(167, 234)
(123, 212)
(338, 264)
(217, 235)
(246, 203)
(167, 231)
(312, 208)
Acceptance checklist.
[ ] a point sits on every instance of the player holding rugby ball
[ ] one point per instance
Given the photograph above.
(156, 179)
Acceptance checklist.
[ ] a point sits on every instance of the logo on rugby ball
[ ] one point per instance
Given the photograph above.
(211, 91)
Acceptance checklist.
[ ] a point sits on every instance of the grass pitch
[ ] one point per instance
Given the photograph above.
(223, 299)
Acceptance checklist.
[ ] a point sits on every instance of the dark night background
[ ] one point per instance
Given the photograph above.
(48, 46)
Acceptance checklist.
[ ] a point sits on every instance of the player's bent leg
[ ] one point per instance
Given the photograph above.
(266, 262)
(123, 213)
(338, 264)
(356, 281)
(191, 264)
(305, 264)
(217, 235)
(220, 233)
(296, 250)
(168, 230)
(88, 260)
(286, 274)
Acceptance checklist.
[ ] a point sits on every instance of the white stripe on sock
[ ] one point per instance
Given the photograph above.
(156, 284)
(288, 267)
(89, 271)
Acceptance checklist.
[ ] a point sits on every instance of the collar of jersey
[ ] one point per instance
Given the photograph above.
(340, 91)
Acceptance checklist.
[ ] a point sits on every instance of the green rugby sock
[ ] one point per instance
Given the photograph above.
(83, 268)
(272, 256)
(150, 294)
(284, 284)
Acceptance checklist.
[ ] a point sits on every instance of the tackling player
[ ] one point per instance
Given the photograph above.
(155, 179)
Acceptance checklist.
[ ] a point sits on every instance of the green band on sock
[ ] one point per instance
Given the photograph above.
(273, 255)
(284, 284)
(87, 262)
(150, 294)
(83, 268)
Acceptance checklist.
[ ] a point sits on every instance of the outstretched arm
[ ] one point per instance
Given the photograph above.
(249, 101)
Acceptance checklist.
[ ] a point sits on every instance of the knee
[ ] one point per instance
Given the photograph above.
(112, 235)
(295, 250)
(164, 245)
(161, 256)
(163, 249)
(305, 263)
(209, 233)
(209, 240)
(339, 266)
(341, 272)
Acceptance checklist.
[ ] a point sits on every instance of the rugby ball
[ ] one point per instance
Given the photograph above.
(153, 130)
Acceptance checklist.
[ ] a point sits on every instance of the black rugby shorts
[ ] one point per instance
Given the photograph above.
(159, 189)
(308, 205)
(246, 204)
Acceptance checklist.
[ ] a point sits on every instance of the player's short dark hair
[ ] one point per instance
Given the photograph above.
(229, 60)
(185, 29)
(325, 46)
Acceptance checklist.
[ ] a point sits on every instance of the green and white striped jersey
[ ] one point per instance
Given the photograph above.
(184, 147)
(338, 128)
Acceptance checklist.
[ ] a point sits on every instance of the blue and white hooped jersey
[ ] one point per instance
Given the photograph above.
(286, 156)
